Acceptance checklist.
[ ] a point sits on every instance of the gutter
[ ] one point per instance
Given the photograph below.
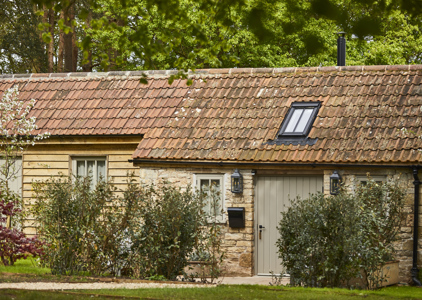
(415, 271)
(255, 164)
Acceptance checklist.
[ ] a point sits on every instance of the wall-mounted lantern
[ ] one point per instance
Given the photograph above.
(335, 181)
(237, 182)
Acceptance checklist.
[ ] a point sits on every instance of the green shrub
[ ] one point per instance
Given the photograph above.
(327, 240)
(85, 229)
(147, 231)
(171, 227)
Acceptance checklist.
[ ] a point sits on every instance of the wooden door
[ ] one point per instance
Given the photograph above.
(273, 196)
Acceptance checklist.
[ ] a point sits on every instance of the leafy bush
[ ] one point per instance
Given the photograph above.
(327, 240)
(14, 244)
(171, 228)
(209, 249)
(148, 231)
(85, 229)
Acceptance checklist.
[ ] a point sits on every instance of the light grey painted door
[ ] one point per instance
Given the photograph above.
(272, 197)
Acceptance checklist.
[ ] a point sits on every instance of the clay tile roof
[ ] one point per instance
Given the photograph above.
(368, 114)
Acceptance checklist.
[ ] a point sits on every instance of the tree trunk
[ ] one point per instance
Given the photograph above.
(51, 20)
(74, 46)
(61, 47)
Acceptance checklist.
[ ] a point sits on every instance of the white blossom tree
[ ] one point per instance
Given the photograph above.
(16, 136)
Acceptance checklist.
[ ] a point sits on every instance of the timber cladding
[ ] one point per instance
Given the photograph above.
(44, 161)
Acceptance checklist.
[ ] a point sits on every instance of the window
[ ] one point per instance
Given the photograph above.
(90, 166)
(299, 119)
(12, 174)
(363, 180)
(212, 186)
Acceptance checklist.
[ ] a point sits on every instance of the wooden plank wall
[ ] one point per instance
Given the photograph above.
(45, 161)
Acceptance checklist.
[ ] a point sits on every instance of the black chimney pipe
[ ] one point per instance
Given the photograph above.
(415, 271)
(341, 49)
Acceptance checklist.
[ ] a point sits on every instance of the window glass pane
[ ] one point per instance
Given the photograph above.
(204, 188)
(91, 165)
(204, 185)
(101, 170)
(215, 198)
(90, 173)
(304, 120)
(294, 120)
(80, 168)
(215, 183)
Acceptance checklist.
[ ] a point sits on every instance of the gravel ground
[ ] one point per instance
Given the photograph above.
(95, 285)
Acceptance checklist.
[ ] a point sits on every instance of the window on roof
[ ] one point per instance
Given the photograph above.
(299, 119)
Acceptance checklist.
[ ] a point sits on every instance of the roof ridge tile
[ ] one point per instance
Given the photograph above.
(237, 72)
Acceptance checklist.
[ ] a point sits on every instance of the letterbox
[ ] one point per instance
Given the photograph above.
(236, 217)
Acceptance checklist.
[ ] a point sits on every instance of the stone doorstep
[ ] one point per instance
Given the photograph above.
(260, 280)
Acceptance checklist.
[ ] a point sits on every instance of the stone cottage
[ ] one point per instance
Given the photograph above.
(285, 131)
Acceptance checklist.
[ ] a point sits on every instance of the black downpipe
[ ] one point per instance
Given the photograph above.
(415, 271)
(341, 49)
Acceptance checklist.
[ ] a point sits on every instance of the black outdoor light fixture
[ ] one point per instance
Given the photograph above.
(237, 182)
(335, 180)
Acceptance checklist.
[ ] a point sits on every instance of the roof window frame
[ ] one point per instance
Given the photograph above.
(286, 122)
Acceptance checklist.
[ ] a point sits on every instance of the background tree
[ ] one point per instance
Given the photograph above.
(21, 47)
(102, 35)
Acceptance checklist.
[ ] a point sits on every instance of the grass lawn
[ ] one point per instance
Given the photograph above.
(26, 270)
(220, 293)
(25, 266)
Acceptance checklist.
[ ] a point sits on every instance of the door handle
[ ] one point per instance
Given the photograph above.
(260, 230)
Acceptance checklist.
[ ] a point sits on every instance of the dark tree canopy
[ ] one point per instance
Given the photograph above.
(98, 35)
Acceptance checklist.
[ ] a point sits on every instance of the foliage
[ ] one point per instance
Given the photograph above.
(381, 213)
(327, 240)
(21, 46)
(145, 232)
(171, 226)
(83, 228)
(16, 127)
(317, 240)
(16, 132)
(14, 244)
(209, 249)
(102, 35)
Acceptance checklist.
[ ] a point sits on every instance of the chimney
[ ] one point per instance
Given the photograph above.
(341, 49)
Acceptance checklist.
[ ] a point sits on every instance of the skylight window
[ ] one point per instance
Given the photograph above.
(299, 119)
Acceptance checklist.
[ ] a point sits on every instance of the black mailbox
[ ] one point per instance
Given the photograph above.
(236, 217)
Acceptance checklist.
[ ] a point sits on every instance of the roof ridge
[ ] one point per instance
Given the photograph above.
(212, 72)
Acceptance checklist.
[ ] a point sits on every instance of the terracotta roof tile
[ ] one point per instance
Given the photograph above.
(230, 114)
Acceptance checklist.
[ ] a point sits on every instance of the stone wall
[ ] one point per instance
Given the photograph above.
(238, 243)
(404, 245)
